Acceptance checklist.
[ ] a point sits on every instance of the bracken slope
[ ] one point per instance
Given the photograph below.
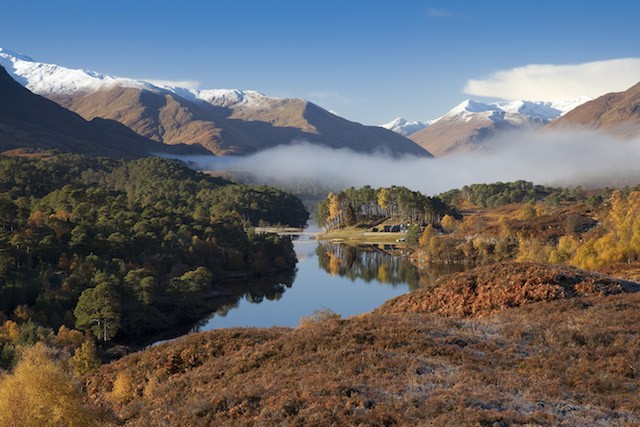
(507, 284)
(571, 361)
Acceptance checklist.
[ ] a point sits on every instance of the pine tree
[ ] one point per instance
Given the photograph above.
(98, 311)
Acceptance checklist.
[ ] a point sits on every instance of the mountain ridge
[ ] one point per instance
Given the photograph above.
(617, 113)
(470, 123)
(224, 121)
(31, 121)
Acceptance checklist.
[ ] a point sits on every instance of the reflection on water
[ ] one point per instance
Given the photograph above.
(254, 291)
(366, 262)
(349, 280)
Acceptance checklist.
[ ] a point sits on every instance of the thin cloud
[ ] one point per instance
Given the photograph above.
(434, 12)
(558, 82)
(187, 84)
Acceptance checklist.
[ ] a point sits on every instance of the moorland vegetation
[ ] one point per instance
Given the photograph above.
(530, 334)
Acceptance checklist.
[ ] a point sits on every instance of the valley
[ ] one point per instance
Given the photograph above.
(173, 253)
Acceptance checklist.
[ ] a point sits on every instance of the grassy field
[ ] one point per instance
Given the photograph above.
(363, 236)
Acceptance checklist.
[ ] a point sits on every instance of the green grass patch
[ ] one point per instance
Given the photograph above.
(363, 236)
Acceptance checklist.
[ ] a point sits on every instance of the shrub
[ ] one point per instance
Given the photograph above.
(123, 388)
(320, 315)
(84, 360)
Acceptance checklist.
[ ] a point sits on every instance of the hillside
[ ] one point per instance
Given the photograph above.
(223, 121)
(486, 289)
(616, 113)
(31, 121)
(570, 361)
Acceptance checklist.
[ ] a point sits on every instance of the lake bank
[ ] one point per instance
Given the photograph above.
(363, 236)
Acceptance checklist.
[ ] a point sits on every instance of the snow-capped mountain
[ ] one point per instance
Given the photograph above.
(44, 78)
(224, 121)
(29, 121)
(470, 123)
(527, 112)
(403, 127)
(514, 113)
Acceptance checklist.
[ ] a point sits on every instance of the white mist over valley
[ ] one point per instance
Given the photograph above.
(560, 158)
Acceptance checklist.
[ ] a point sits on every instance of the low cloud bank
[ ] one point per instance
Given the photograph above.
(566, 158)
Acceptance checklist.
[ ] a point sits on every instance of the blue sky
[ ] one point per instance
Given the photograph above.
(369, 61)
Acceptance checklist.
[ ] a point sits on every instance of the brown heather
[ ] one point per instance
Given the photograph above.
(572, 361)
(502, 285)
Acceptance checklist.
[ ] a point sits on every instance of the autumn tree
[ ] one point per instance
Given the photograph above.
(527, 211)
(84, 359)
(335, 210)
(621, 240)
(427, 235)
(565, 250)
(531, 249)
(449, 223)
(40, 393)
(385, 200)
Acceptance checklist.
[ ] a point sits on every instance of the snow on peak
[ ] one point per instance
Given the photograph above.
(8, 54)
(514, 111)
(568, 105)
(231, 97)
(470, 106)
(403, 127)
(45, 79)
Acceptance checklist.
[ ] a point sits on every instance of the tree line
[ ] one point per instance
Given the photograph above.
(502, 193)
(353, 206)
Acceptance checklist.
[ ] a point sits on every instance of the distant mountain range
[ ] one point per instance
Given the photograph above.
(222, 121)
(471, 123)
(229, 121)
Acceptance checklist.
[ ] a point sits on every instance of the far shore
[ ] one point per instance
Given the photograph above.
(363, 236)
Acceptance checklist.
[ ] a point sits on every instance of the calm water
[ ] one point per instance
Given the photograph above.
(347, 280)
